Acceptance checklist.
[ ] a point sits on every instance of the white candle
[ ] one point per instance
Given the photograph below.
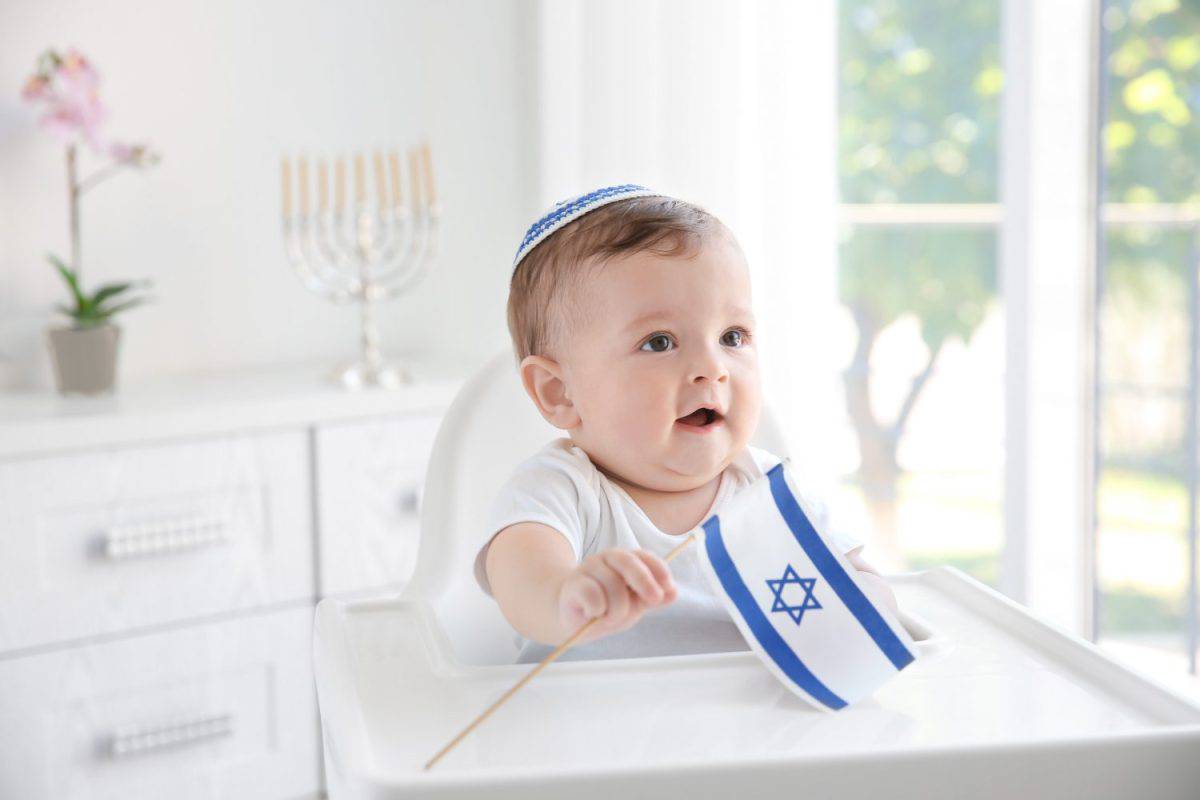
(360, 188)
(380, 183)
(322, 186)
(302, 179)
(427, 159)
(339, 186)
(414, 185)
(394, 168)
(286, 169)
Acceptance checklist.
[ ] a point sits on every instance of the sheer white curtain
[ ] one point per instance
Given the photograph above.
(732, 106)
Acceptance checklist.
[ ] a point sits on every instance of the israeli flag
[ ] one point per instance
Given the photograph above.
(797, 600)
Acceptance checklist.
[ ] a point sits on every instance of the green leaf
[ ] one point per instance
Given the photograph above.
(104, 314)
(72, 281)
(109, 290)
(90, 321)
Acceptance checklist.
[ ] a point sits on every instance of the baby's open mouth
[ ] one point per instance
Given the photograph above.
(700, 418)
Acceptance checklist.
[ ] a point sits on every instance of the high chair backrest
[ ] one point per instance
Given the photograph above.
(490, 428)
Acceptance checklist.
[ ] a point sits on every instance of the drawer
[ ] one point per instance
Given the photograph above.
(370, 477)
(102, 542)
(214, 710)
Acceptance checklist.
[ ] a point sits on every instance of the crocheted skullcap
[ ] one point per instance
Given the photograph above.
(565, 211)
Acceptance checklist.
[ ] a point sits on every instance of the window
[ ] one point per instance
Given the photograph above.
(919, 104)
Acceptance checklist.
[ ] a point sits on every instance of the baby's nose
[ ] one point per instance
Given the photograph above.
(708, 369)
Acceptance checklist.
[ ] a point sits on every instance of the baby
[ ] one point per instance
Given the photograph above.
(630, 313)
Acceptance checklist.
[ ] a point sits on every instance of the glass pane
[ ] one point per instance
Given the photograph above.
(923, 304)
(1151, 190)
(919, 102)
(1142, 491)
(1151, 133)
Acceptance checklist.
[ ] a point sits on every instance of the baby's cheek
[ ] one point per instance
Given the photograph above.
(745, 420)
(622, 419)
(633, 413)
(747, 407)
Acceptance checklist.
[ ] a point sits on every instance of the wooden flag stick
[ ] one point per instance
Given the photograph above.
(545, 662)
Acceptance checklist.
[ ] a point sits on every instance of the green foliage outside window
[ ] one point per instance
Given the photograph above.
(1152, 130)
(920, 85)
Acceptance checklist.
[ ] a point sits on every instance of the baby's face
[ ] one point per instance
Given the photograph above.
(663, 369)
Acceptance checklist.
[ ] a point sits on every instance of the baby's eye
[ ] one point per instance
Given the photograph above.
(658, 343)
(733, 338)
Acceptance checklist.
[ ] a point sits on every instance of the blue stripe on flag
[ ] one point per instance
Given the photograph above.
(763, 630)
(842, 584)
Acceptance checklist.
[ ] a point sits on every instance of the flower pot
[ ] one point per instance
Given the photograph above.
(85, 359)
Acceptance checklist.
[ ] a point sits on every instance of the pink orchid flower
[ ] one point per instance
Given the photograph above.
(67, 88)
(36, 88)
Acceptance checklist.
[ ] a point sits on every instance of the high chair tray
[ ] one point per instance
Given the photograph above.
(998, 705)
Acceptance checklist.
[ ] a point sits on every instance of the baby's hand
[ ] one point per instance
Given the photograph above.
(880, 593)
(617, 585)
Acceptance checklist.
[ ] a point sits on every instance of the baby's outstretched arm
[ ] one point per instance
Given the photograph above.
(545, 595)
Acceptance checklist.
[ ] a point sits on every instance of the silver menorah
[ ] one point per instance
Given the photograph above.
(366, 252)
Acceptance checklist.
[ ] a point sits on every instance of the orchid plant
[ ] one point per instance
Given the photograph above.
(65, 87)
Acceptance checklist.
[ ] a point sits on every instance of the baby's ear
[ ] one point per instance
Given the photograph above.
(543, 380)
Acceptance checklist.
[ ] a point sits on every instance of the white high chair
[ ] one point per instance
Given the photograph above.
(999, 704)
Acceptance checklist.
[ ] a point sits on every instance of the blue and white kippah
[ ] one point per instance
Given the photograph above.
(565, 211)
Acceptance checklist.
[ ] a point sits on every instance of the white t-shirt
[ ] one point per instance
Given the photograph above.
(561, 488)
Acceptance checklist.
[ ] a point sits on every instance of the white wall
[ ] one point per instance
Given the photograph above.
(222, 89)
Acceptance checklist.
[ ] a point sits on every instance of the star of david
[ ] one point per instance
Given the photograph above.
(796, 612)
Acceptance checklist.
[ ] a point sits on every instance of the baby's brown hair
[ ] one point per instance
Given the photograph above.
(539, 296)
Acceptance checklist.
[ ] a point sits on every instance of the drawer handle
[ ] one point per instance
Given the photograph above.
(158, 538)
(132, 740)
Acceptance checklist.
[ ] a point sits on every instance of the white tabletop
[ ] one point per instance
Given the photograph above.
(989, 676)
(36, 423)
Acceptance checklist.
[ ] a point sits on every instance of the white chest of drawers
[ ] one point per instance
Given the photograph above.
(121, 539)
(161, 553)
